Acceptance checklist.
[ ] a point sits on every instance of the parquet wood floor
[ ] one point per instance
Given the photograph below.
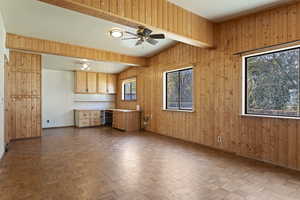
(105, 164)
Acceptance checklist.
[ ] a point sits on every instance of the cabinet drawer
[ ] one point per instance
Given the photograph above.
(95, 122)
(84, 115)
(95, 114)
(84, 123)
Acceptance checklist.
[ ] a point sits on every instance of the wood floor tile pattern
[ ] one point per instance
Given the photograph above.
(105, 164)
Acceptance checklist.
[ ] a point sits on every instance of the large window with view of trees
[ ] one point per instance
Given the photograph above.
(272, 83)
(179, 89)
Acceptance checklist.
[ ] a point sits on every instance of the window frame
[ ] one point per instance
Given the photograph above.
(129, 80)
(165, 90)
(245, 81)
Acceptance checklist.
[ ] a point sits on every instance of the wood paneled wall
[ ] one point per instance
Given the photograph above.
(19, 42)
(218, 91)
(23, 96)
(178, 23)
(130, 73)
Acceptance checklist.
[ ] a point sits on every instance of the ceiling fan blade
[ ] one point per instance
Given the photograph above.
(152, 41)
(132, 38)
(147, 31)
(139, 42)
(157, 36)
(131, 33)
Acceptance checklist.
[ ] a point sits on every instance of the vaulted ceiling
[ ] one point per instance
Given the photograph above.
(221, 10)
(37, 19)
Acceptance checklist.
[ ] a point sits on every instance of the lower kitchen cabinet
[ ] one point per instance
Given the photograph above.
(88, 118)
(126, 120)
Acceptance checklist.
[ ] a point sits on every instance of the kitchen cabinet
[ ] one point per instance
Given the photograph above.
(102, 83)
(111, 84)
(93, 83)
(126, 120)
(88, 118)
(85, 82)
(80, 82)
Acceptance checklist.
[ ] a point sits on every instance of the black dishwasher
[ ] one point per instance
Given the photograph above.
(108, 118)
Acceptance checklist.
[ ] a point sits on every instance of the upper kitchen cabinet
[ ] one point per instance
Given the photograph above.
(80, 82)
(102, 83)
(85, 82)
(93, 83)
(111, 84)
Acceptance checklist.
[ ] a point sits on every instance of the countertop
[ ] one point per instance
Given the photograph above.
(124, 110)
(89, 109)
(117, 110)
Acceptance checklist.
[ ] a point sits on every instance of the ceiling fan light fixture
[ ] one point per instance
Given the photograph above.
(116, 33)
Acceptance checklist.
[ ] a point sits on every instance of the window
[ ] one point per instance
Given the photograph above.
(129, 90)
(271, 83)
(178, 87)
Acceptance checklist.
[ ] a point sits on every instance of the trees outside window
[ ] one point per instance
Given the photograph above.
(179, 89)
(129, 90)
(272, 83)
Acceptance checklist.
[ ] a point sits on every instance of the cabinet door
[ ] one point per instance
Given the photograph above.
(92, 82)
(80, 82)
(23, 96)
(119, 120)
(102, 83)
(111, 84)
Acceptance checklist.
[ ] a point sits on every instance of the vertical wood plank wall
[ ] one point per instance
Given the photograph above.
(218, 91)
(130, 73)
(23, 96)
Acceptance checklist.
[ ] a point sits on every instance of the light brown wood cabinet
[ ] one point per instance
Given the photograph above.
(80, 82)
(87, 118)
(22, 96)
(111, 84)
(126, 120)
(102, 83)
(93, 83)
(85, 82)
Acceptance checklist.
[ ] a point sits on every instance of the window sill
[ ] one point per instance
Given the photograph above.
(170, 110)
(129, 100)
(268, 116)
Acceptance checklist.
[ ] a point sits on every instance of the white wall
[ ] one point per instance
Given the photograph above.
(59, 101)
(2, 53)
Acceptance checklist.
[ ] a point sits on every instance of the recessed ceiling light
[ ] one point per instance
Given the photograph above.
(116, 33)
(85, 66)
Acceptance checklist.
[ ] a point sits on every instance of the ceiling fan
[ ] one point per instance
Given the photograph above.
(142, 35)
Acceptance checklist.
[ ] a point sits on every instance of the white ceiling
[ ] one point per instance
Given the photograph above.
(62, 63)
(41, 20)
(221, 10)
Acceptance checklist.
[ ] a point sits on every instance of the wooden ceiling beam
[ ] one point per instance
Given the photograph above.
(177, 23)
(23, 43)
